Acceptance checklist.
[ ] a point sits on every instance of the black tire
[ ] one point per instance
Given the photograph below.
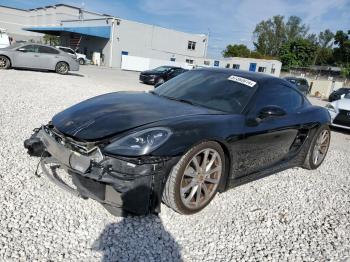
(62, 68)
(5, 62)
(310, 158)
(81, 61)
(171, 194)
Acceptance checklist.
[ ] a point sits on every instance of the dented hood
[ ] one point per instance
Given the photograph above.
(113, 113)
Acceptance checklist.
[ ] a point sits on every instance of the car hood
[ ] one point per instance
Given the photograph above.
(342, 104)
(107, 115)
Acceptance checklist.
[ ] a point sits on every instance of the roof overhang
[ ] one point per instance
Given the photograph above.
(96, 31)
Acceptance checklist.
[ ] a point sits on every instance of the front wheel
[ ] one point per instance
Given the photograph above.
(194, 181)
(5, 63)
(318, 148)
(81, 61)
(62, 68)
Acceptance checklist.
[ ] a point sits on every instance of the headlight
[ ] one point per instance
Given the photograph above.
(151, 76)
(140, 143)
(330, 107)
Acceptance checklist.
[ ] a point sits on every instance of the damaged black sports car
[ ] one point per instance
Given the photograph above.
(203, 132)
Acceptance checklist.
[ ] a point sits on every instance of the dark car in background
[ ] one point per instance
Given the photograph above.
(300, 83)
(339, 94)
(160, 74)
(200, 133)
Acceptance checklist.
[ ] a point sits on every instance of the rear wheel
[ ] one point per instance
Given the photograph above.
(62, 68)
(318, 148)
(5, 63)
(194, 181)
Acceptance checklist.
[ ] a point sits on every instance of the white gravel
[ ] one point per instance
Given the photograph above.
(296, 215)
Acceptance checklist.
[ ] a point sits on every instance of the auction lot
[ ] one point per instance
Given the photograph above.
(295, 215)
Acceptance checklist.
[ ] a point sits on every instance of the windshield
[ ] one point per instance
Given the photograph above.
(161, 69)
(209, 89)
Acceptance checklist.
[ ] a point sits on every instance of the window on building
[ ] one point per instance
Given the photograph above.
(191, 45)
(216, 63)
(228, 65)
(172, 59)
(189, 61)
(262, 69)
(273, 70)
(207, 63)
(235, 66)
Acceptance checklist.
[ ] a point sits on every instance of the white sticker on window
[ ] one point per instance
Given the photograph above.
(242, 80)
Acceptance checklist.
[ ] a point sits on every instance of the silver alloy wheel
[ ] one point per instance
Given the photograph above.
(321, 147)
(62, 68)
(201, 178)
(3, 62)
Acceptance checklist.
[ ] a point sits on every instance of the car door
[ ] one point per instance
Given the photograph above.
(48, 57)
(27, 56)
(268, 139)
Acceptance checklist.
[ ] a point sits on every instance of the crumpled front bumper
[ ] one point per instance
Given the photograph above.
(122, 185)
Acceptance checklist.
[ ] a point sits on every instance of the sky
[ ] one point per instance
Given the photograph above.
(226, 21)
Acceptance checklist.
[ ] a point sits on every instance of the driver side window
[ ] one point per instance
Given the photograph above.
(279, 95)
(30, 48)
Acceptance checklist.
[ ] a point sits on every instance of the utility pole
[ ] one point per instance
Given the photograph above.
(206, 44)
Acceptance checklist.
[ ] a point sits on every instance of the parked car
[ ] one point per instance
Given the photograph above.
(4, 38)
(160, 74)
(80, 57)
(200, 133)
(338, 94)
(340, 112)
(300, 83)
(37, 57)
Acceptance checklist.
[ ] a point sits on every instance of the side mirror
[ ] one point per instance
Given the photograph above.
(271, 111)
(158, 84)
(22, 49)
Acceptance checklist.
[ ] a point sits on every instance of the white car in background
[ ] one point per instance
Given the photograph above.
(80, 57)
(4, 39)
(340, 112)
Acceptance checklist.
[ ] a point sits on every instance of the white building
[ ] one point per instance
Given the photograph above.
(111, 36)
(122, 43)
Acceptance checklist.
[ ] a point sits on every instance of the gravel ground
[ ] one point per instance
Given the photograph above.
(296, 215)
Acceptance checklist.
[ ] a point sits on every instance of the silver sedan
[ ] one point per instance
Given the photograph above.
(37, 57)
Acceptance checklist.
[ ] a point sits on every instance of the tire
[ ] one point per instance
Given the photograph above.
(5, 62)
(62, 68)
(185, 184)
(319, 145)
(81, 61)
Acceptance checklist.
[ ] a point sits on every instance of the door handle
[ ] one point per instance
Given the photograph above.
(36, 55)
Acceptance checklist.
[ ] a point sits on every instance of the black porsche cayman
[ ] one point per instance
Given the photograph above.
(200, 133)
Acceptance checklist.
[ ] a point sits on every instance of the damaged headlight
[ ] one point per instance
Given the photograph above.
(139, 143)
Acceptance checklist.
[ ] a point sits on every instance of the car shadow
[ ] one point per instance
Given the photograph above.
(45, 71)
(137, 239)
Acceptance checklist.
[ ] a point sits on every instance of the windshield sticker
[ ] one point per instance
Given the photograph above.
(242, 80)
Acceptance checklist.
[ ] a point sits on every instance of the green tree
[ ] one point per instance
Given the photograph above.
(272, 34)
(236, 51)
(51, 40)
(298, 52)
(324, 54)
(342, 51)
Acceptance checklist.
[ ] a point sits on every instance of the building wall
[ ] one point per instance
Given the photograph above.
(156, 42)
(14, 20)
